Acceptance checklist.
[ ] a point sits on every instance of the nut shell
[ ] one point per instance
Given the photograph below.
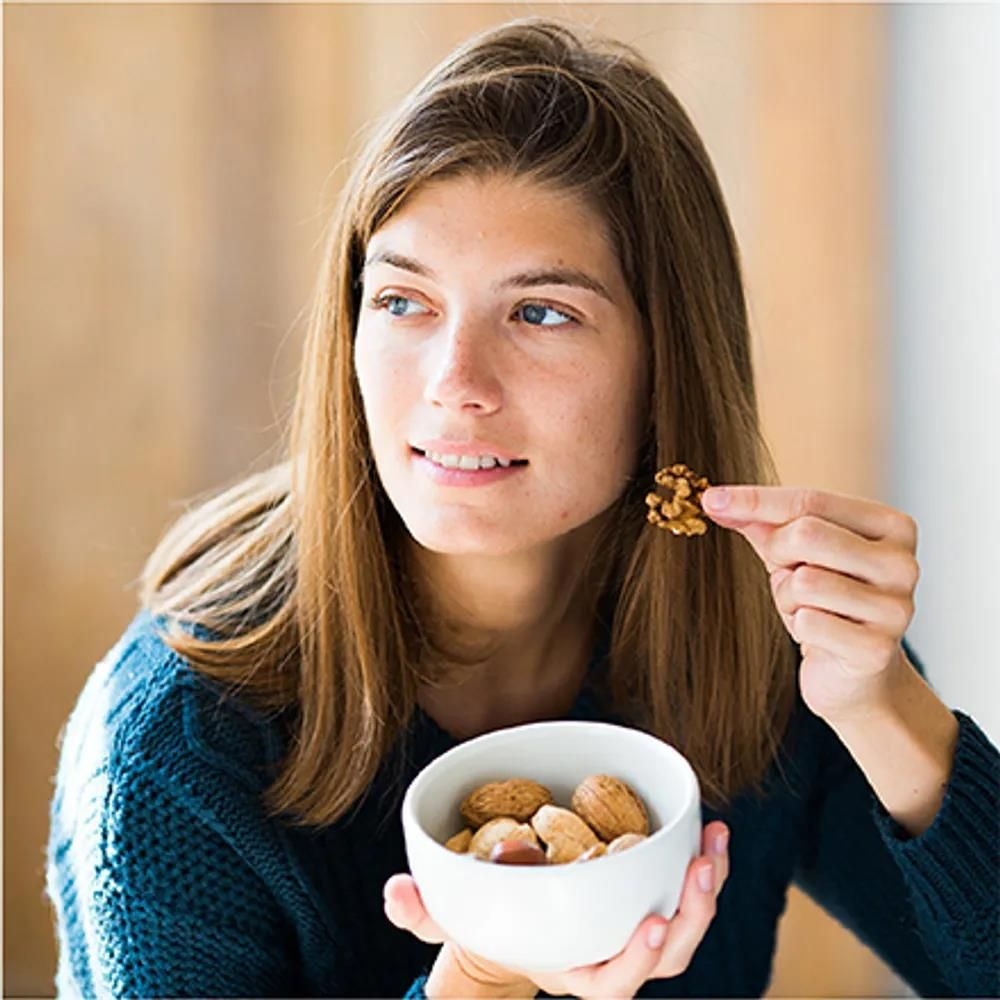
(565, 834)
(519, 798)
(610, 807)
(493, 831)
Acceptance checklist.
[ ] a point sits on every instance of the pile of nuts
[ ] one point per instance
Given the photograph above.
(516, 822)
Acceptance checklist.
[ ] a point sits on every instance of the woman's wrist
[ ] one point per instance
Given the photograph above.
(456, 973)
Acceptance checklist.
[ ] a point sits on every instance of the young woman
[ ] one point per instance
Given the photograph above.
(531, 268)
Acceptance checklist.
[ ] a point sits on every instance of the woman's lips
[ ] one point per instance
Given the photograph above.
(462, 477)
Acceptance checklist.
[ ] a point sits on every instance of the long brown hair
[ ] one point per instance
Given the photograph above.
(294, 577)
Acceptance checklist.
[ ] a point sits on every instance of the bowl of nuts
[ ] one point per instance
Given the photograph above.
(543, 846)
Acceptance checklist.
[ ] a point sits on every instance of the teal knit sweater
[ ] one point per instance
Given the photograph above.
(167, 879)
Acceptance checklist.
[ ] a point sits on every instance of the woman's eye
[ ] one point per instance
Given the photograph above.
(385, 302)
(539, 309)
(534, 312)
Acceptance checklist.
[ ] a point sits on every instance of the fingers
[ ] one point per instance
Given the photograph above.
(619, 977)
(404, 907)
(625, 974)
(715, 843)
(643, 958)
(705, 878)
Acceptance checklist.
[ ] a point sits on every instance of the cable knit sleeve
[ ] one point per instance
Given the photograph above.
(170, 909)
(156, 891)
(928, 905)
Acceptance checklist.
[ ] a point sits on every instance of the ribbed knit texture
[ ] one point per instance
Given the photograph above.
(167, 879)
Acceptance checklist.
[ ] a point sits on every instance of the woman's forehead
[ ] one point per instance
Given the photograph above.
(524, 231)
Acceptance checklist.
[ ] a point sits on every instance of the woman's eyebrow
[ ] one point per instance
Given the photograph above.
(525, 279)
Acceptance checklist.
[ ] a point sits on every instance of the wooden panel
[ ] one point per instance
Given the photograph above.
(816, 261)
(105, 236)
(169, 170)
(816, 271)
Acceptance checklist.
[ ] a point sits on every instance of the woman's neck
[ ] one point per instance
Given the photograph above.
(521, 683)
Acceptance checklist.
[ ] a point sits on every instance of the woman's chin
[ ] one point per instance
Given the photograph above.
(467, 540)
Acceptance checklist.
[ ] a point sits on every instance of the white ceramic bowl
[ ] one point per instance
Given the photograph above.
(552, 917)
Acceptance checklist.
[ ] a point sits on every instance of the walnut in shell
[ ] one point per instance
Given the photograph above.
(519, 798)
(610, 807)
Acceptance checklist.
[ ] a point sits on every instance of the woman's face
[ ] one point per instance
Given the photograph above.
(485, 338)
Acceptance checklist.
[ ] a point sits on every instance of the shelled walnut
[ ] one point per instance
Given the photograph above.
(518, 822)
(682, 513)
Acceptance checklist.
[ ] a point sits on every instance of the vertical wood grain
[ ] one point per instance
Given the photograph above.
(816, 272)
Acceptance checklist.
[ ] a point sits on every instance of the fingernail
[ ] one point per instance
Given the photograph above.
(719, 842)
(657, 936)
(716, 498)
(706, 878)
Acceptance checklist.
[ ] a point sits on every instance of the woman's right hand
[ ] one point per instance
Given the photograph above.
(458, 973)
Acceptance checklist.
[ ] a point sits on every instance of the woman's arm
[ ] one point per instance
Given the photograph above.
(164, 878)
(924, 897)
(151, 901)
(906, 750)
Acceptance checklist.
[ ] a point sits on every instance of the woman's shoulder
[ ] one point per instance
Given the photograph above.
(144, 711)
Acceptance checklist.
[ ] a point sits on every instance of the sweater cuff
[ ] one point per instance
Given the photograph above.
(416, 991)
(952, 866)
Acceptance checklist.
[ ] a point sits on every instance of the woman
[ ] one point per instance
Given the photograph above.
(531, 267)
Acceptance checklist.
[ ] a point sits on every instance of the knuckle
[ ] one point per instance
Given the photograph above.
(802, 618)
(671, 968)
(674, 961)
(807, 530)
(770, 547)
(806, 579)
(901, 571)
(906, 528)
(901, 611)
(807, 503)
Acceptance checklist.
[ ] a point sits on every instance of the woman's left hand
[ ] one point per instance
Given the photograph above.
(843, 572)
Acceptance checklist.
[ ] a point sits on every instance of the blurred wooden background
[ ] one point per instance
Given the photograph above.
(168, 171)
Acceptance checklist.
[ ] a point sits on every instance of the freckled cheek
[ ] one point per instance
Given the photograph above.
(385, 386)
(602, 428)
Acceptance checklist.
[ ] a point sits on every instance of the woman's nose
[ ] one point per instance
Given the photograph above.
(462, 371)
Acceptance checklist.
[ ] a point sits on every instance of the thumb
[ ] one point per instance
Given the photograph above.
(404, 908)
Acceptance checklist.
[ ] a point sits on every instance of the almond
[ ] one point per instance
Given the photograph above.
(460, 842)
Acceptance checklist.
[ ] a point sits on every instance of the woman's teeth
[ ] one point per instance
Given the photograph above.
(466, 461)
